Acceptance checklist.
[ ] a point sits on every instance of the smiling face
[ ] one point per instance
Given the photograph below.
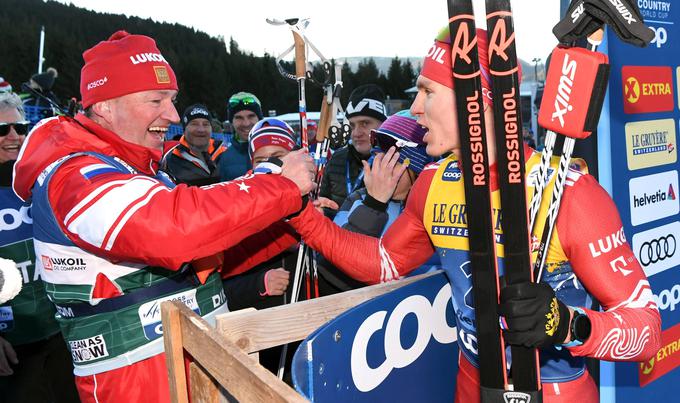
(244, 121)
(435, 108)
(197, 133)
(141, 118)
(11, 143)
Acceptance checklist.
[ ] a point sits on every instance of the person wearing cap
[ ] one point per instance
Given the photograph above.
(553, 315)
(35, 365)
(37, 102)
(243, 111)
(195, 159)
(372, 209)
(115, 237)
(344, 172)
(5, 86)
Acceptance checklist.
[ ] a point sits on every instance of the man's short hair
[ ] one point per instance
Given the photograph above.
(10, 100)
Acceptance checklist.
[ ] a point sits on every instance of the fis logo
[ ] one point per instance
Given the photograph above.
(452, 173)
(562, 105)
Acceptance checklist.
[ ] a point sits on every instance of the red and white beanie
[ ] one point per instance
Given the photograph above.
(271, 132)
(124, 64)
(5, 86)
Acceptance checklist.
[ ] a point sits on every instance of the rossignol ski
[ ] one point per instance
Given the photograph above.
(504, 72)
(475, 164)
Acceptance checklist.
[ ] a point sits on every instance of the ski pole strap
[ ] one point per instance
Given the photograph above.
(576, 23)
(574, 92)
(623, 16)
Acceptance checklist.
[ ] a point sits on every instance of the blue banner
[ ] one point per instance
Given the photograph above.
(397, 347)
(638, 165)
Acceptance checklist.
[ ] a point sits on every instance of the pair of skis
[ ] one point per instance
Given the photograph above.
(495, 385)
(589, 85)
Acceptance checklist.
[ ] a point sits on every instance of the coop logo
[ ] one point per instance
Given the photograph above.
(90, 349)
(97, 83)
(63, 263)
(562, 105)
(660, 36)
(647, 89)
(668, 298)
(452, 173)
(665, 360)
(653, 197)
(11, 219)
(431, 323)
(650, 143)
(657, 248)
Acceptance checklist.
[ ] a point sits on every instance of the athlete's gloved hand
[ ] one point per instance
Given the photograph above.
(534, 317)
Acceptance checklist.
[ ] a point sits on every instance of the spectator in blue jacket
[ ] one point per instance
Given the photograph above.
(243, 111)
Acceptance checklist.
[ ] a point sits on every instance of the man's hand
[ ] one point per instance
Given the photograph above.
(7, 356)
(299, 167)
(381, 179)
(322, 202)
(276, 281)
(534, 317)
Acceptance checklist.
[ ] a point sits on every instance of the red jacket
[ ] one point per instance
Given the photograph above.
(166, 226)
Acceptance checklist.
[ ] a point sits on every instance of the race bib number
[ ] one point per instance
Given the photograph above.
(6, 319)
(150, 312)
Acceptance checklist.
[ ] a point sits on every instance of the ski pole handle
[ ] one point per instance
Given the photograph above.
(300, 59)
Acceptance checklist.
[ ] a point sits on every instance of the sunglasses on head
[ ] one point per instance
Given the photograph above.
(384, 141)
(20, 127)
(244, 101)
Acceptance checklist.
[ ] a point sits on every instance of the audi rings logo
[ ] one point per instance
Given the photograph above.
(657, 250)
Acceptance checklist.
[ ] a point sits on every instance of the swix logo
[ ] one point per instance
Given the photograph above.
(97, 83)
(147, 57)
(609, 243)
(431, 322)
(627, 15)
(562, 105)
(578, 12)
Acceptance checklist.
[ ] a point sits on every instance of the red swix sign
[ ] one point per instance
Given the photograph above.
(647, 89)
(665, 360)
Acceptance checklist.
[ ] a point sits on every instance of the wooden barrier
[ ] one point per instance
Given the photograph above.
(225, 366)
